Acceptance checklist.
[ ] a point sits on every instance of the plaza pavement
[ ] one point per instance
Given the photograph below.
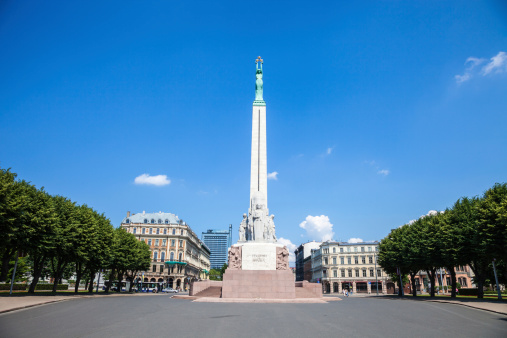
(19, 302)
(161, 316)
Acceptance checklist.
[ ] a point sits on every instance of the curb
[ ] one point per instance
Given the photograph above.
(31, 305)
(453, 303)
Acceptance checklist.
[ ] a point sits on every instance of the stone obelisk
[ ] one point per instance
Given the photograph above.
(259, 168)
(258, 265)
(258, 226)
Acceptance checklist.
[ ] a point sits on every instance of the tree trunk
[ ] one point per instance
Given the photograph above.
(453, 281)
(111, 277)
(412, 280)
(79, 274)
(92, 278)
(480, 278)
(431, 275)
(58, 275)
(6, 258)
(38, 264)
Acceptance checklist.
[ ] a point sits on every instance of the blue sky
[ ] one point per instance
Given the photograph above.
(377, 112)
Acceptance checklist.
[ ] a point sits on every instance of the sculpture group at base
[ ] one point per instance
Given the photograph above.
(258, 225)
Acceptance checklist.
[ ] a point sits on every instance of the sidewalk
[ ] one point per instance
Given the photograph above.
(18, 302)
(481, 304)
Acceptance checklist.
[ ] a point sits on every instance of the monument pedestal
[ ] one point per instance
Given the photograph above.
(268, 284)
(258, 270)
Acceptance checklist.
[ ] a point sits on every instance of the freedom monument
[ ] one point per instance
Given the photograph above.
(258, 265)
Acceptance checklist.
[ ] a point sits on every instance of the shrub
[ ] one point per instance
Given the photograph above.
(7, 286)
(468, 292)
(50, 287)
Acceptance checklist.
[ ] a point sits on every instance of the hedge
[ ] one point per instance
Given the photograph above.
(7, 286)
(468, 292)
(50, 287)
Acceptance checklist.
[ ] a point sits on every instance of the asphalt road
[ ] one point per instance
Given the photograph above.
(161, 316)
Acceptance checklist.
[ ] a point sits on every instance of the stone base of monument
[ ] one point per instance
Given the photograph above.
(258, 271)
(268, 284)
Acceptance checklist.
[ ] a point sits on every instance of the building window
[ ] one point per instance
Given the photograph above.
(334, 261)
(149, 242)
(134, 231)
(376, 248)
(341, 261)
(325, 260)
(348, 249)
(143, 231)
(369, 248)
(174, 231)
(158, 231)
(181, 232)
(156, 242)
(181, 243)
(357, 273)
(335, 273)
(155, 256)
(159, 221)
(163, 242)
(150, 231)
(152, 221)
(343, 273)
(154, 268)
(350, 273)
(165, 231)
(334, 250)
(172, 257)
(349, 260)
(162, 256)
(166, 221)
(356, 260)
(371, 273)
(173, 242)
(161, 268)
(370, 259)
(341, 249)
(127, 221)
(181, 256)
(362, 249)
(364, 273)
(355, 249)
(363, 260)
(145, 221)
(378, 273)
(464, 282)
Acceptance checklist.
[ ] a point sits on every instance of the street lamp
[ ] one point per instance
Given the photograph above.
(376, 280)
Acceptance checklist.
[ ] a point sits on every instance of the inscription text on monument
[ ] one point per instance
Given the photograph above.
(258, 257)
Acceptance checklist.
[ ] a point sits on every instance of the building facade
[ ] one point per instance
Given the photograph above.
(303, 253)
(218, 242)
(178, 256)
(464, 275)
(351, 266)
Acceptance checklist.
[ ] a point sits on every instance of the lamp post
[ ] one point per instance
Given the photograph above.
(376, 280)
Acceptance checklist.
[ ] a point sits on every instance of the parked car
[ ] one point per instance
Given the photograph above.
(169, 290)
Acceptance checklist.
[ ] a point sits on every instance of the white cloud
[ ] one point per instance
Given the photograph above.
(318, 228)
(355, 240)
(329, 150)
(273, 176)
(498, 64)
(290, 246)
(384, 172)
(158, 180)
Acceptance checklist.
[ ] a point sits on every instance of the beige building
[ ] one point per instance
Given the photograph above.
(178, 256)
(350, 266)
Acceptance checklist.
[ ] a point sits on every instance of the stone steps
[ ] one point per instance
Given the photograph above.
(304, 293)
(212, 291)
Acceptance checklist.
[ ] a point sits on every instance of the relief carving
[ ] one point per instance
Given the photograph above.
(282, 258)
(235, 258)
